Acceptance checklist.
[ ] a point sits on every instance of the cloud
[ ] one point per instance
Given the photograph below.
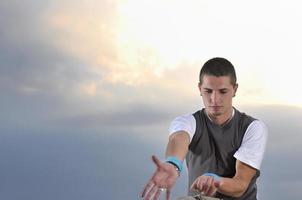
(37, 79)
(29, 61)
(64, 72)
(83, 161)
(132, 116)
(62, 55)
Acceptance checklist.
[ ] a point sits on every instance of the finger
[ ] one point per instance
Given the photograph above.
(208, 186)
(168, 194)
(214, 189)
(193, 186)
(152, 191)
(200, 185)
(156, 195)
(147, 188)
(211, 191)
(205, 186)
(156, 161)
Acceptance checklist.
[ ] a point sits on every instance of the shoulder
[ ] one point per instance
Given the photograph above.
(258, 124)
(243, 117)
(184, 117)
(257, 128)
(253, 144)
(185, 123)
(249, 123)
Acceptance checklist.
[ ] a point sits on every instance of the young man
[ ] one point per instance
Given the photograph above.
(222, 146)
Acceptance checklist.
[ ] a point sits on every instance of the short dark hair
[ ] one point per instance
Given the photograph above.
(218, 67)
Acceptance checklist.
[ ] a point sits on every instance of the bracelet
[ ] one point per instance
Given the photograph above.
(175, 167)
(215, 176)
(177, 163)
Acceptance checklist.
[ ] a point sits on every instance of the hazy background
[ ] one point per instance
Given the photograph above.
(88, 90)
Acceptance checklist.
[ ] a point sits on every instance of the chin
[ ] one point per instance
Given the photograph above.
(216, 114)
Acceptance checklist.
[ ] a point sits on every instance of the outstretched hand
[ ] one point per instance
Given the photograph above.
(163, 179)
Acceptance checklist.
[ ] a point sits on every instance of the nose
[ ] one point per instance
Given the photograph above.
(214, 97)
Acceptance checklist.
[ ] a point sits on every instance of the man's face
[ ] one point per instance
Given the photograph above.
(217, 94)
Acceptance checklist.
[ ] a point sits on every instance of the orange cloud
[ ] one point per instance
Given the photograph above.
(140, 43)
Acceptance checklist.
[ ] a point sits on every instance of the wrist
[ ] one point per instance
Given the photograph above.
(176, 168)
(215, 176)
(176, 163)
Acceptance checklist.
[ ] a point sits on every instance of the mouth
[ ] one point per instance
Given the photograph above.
(215, 107)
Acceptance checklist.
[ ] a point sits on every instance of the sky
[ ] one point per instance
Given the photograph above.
(88, 89)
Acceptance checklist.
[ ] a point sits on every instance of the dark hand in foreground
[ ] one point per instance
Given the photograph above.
(163, 179)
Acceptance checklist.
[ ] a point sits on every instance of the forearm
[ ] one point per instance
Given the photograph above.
(232, 186)
(178, 145)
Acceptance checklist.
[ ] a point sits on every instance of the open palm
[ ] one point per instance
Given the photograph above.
(164, 177)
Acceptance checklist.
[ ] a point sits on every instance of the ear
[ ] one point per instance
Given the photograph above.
(235, 89)
(199, 87)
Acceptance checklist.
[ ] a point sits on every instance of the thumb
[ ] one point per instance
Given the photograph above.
(217, 184)
(156, 161)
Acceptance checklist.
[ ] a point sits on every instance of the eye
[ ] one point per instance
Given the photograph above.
(208, 91)
(223, 91)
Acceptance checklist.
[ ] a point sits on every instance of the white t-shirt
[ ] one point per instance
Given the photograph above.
(253, 144)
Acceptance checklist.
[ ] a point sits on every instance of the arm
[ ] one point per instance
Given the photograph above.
(178, 145)
(249, 157)
(166, 175)
(237, 185)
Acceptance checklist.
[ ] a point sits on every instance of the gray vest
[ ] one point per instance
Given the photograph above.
(212, 149)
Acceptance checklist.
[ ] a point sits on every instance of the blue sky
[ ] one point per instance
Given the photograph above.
(88, 90)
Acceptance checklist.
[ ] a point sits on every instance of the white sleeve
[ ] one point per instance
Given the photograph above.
(185, 123)
(253, 145)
